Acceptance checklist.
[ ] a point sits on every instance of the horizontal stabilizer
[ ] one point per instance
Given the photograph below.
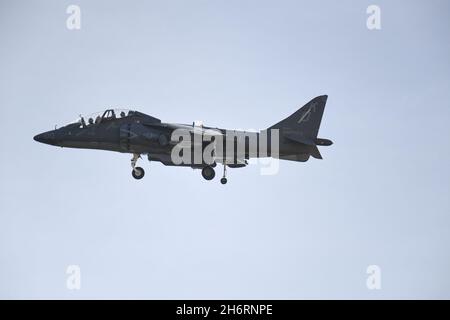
(299, 137)
(323, 142)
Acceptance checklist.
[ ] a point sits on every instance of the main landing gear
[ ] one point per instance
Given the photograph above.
(138, 172)
(208, 173)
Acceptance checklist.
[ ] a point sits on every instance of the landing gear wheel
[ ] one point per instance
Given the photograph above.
(224, 178)
(208, 173)
(138, 173)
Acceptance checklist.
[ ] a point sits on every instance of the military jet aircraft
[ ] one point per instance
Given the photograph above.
(294, 138)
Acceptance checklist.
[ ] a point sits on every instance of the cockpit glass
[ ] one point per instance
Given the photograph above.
(97, 117)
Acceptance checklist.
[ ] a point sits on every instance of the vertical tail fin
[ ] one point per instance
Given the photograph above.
(305, 120)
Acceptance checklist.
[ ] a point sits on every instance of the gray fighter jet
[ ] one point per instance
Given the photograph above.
(294, 138)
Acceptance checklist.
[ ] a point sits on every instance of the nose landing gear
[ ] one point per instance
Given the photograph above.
(138, 172)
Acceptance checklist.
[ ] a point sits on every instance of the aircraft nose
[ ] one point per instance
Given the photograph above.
(46, 137)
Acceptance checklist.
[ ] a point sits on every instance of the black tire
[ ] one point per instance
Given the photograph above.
(223, 180)
(138, 173)
(208, 173)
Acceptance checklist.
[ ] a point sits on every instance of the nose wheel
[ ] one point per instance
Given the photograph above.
(137, 172)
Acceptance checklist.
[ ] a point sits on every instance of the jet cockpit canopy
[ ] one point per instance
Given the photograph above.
(108, 114)
(98, 117)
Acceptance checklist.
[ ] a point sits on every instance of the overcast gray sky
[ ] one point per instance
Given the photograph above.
(379, 197)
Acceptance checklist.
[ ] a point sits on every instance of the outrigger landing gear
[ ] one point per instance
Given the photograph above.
(138, 172)
(224, 178)
(208, 173)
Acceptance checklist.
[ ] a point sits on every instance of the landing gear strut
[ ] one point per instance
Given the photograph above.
(208, 173)
(224, 178)
(138, 172)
